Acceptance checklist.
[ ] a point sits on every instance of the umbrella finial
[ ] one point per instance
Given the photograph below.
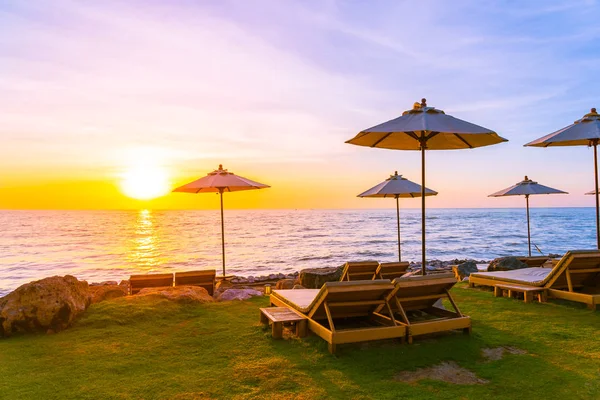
(526, 178)
(220, 167)
(593, 110)
(423, 102)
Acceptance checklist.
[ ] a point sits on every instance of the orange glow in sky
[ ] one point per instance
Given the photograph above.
(109, 105)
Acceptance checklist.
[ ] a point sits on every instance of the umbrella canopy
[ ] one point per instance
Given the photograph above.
(583, 132)
(397, 186)
(219, 181)
(426, 128)
(526, 188)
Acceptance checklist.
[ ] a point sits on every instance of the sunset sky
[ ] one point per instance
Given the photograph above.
(98, 93)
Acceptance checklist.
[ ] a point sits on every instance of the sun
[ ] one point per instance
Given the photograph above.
(144, 178)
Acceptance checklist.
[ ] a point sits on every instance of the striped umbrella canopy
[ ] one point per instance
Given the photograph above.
(583, 132)
(219, 181)
(526, 188)
(397, 186)
(426, 128)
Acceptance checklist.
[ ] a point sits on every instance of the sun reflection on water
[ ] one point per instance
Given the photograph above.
(144, 242)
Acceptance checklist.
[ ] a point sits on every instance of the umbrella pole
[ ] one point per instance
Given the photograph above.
(596, 193)
(222, 232)
(398, 219)
(528, 230)
(423, 269)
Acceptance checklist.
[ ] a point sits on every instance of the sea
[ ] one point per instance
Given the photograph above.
(111, 245)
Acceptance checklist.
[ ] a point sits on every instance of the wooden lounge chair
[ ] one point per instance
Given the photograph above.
(139, 282)
(575, 277)
(359, 270)
(205, 279)
(420, 293)
(533, 262)
(338, 304)
(391, 270)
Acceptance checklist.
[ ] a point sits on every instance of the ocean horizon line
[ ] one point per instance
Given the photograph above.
(285, 209)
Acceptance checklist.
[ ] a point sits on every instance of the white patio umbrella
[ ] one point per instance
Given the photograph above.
(220, 181)
(526, 188)
(397, 186)
(583, 132)
(426, 128)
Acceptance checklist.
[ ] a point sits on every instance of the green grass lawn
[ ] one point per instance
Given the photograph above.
(133, 348)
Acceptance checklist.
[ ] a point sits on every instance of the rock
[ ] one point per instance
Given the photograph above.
(272, 277)
(107, 292)
(290, 276)
(179, 294)
(314, 278)
(284, 284)
(223, 284)
(298, 287)
(250, 279)
(552, 255)
(506, 264)
(465, 269)
(238, 294)
(50, 304)
(280, 276)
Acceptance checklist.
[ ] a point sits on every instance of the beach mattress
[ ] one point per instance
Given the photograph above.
(299, 299)
(529, 276)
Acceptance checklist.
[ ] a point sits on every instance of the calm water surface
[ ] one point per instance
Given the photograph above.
(111, 245)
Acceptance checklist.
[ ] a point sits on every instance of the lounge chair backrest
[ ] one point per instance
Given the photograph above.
(139, 282)
(350, 299)
(204, 278)
(420, 292)
(357, 271)
(579, 267)
(391, 270)
(536, 261)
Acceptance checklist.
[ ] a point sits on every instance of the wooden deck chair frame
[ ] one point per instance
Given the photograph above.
(570, 273)
(391, 270)
(404, 299)
(139, 282)
(324, 312)
(534, 262)
(202, 278)
(359, 270)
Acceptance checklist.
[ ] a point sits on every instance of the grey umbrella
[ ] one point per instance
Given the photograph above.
(397, 186)
(425, 128)
(583, 132)
(219, 181)
(526, 188)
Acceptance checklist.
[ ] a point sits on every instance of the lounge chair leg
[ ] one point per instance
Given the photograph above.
(331, 347)
(410, 339)
(528, 297)
(497, 291)
(277, 330)
(471, 285)
(592, 307)
(543, 297)
(301, 328)
(403, 340)
(467, 331)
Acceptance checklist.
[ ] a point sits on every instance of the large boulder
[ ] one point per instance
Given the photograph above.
(48, 305)
(506, 264)
(284, 284)
(461, 271)
(239, 294)
(314, 278)
(179, 294)
(107, 292)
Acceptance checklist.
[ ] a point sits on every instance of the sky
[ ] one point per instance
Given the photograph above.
(94, 91)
